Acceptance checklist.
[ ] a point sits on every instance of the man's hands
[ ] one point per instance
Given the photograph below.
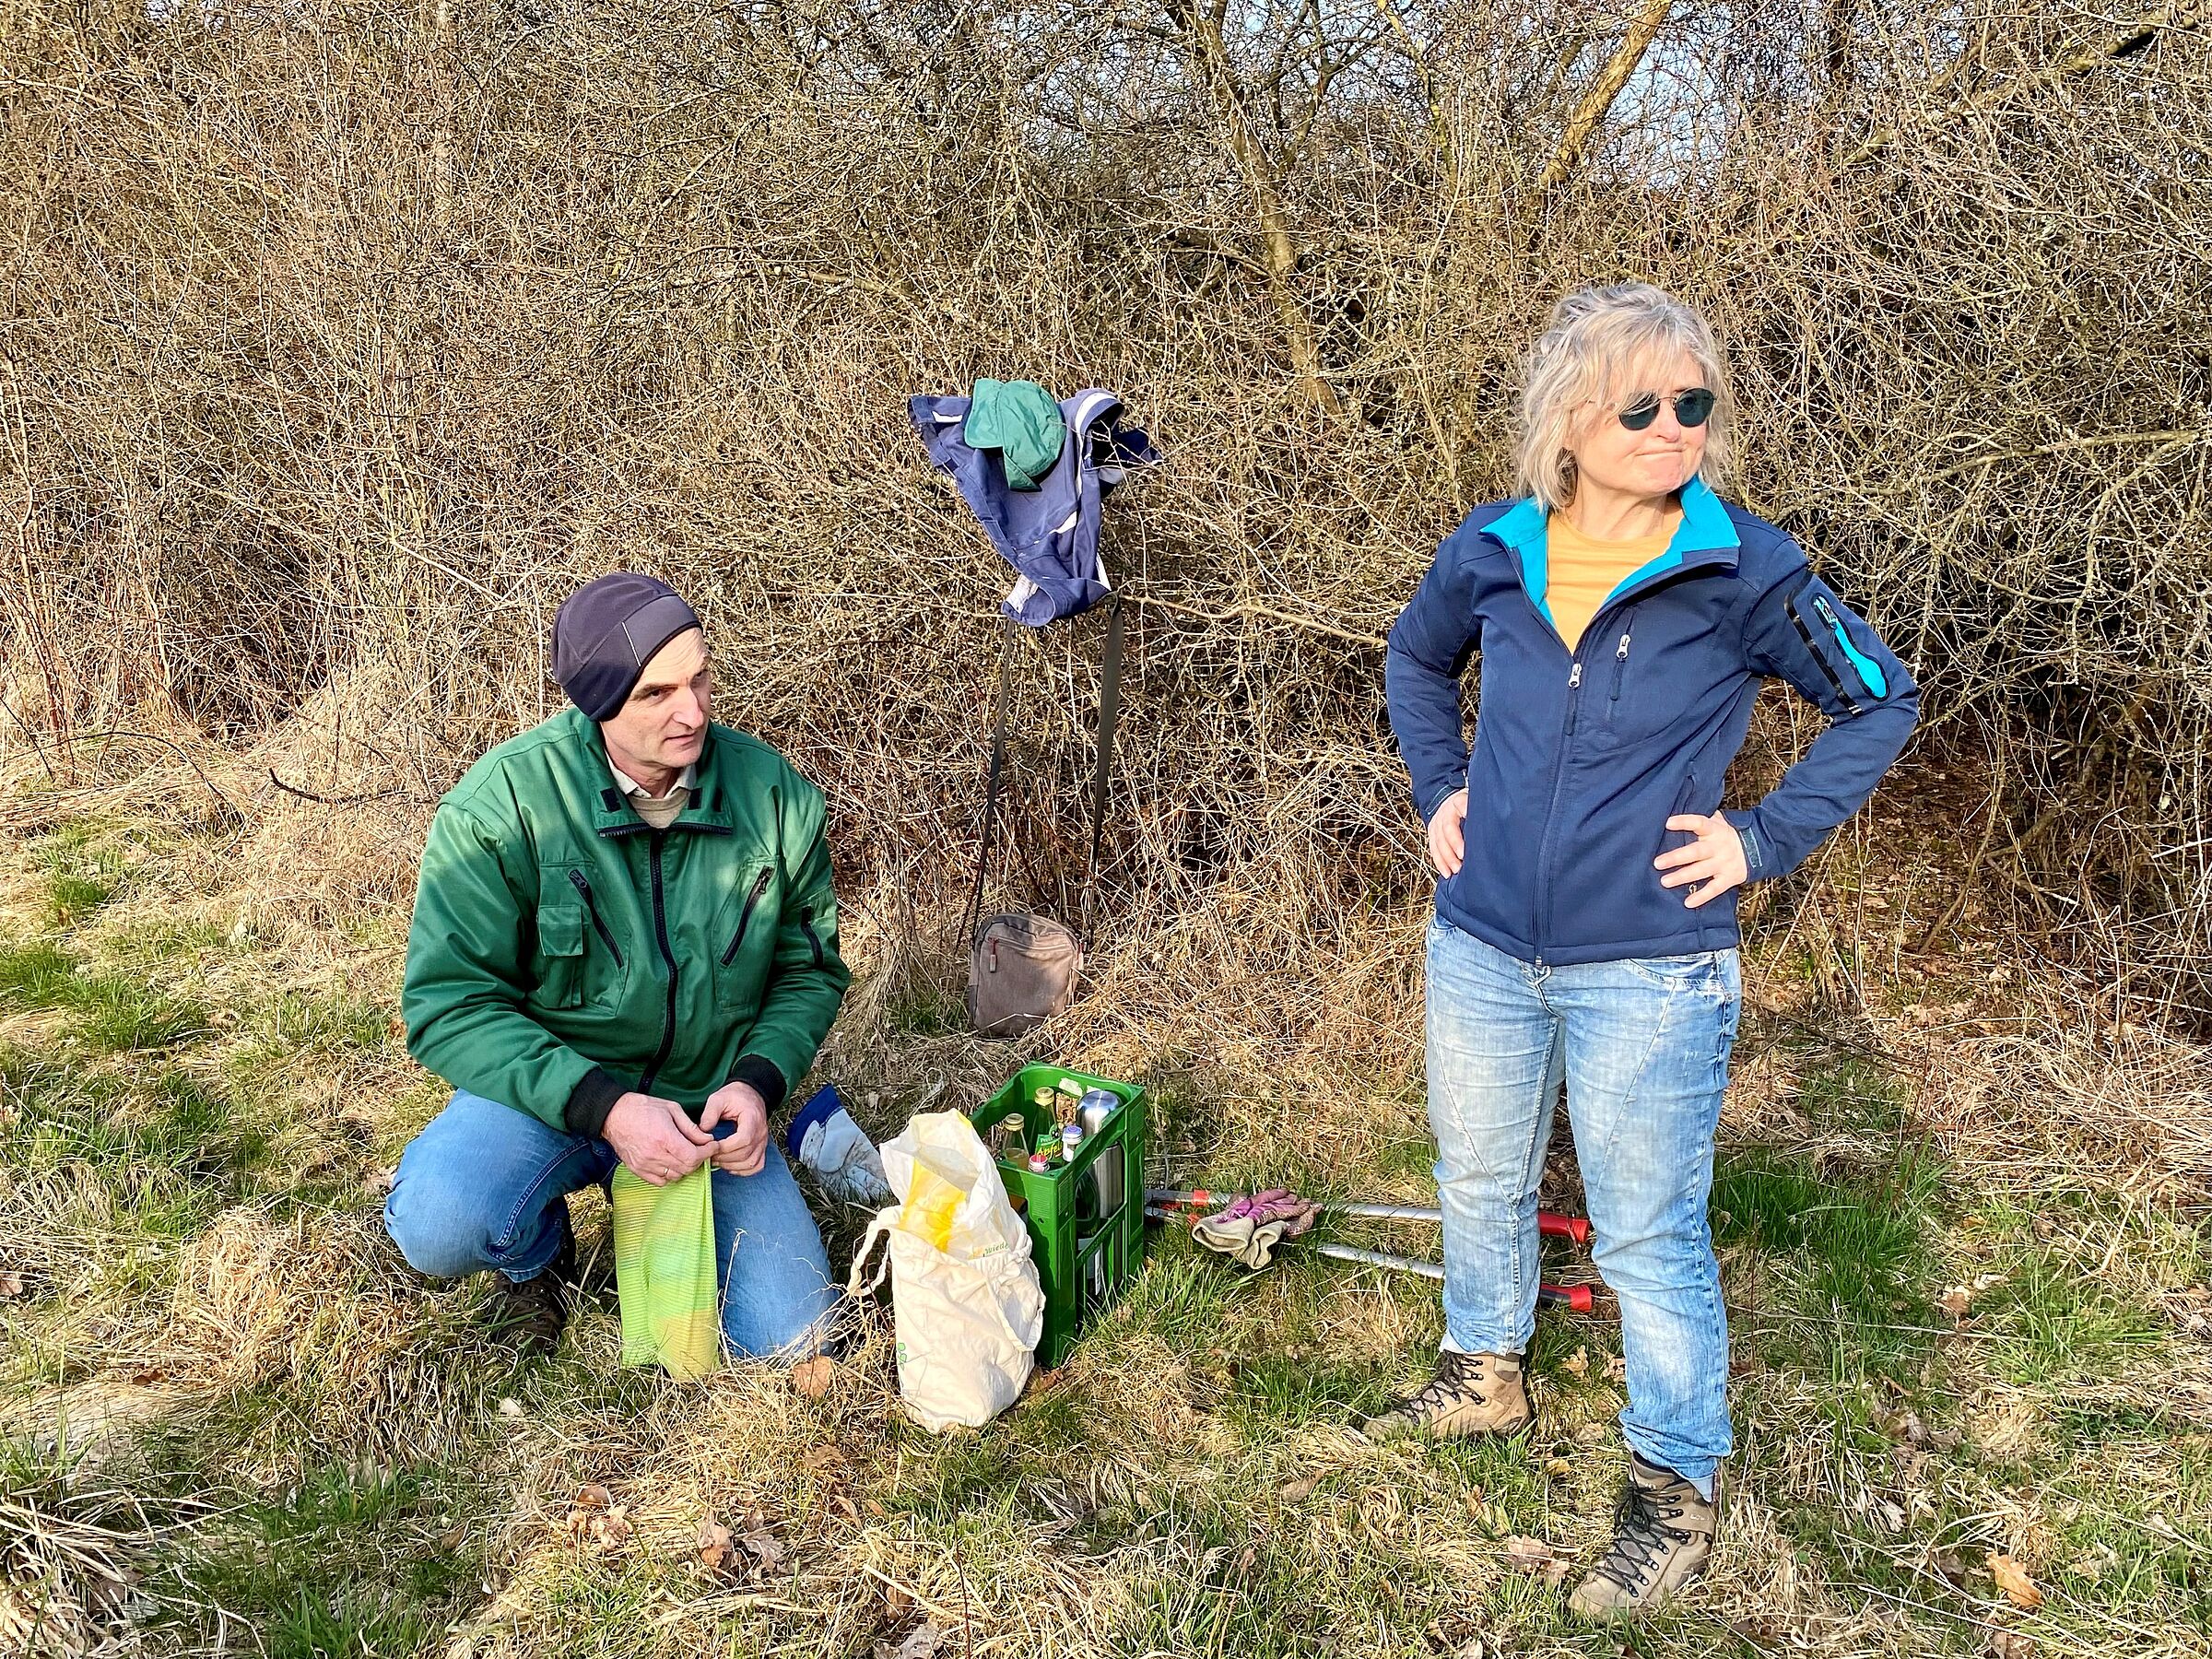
(657, 1138)
(745, 1149)
(1448, 834)
(660, 1143)
(1715, 860)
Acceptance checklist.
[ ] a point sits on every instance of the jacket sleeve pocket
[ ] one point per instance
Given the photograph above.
(1815, 640)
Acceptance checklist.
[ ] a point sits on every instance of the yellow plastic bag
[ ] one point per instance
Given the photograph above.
(665, 1273)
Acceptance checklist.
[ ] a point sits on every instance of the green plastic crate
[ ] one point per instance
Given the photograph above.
(1083, 1260)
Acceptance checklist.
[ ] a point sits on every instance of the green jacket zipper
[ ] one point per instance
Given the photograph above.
(745, 916)
(591, 904)
(660, 935)
(813, 938)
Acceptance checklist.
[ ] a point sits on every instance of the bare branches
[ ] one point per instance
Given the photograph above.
(2184, 15)
(1591, 111)
(1208, 54)
(303, 438)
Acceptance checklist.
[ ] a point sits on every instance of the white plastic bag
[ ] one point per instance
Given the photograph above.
(966, 1303)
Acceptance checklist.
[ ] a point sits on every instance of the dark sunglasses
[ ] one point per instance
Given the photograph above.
(1691, 408)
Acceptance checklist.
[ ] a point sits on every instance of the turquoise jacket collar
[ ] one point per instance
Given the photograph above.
(1705, 535)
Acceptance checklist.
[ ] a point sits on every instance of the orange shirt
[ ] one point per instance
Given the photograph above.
(1579, 570)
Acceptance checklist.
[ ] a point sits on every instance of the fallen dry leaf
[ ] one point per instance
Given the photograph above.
(1557, 1467)
(922, 1642)
(604, 1529)
(1960, 1299)
(1903, 1424)
(1617, 1369)
(1294, 1491)
(1532, 1555)
(1577, 1363)
(766, 1548)
(11, 1284)
(713, 1544)
(511, 1407)
(813, 1377)
(2016, 1582)
(2010, 1644)
(593, 1496)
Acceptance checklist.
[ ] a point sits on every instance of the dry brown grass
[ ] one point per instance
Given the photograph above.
(340, 343)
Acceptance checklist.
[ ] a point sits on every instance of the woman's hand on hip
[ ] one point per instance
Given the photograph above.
(1714, 862)
(1448, 834)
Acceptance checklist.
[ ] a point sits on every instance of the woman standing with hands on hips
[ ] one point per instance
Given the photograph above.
(1585, 911)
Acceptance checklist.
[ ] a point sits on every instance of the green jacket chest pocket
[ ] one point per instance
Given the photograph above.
(580, 959)
(744, 933)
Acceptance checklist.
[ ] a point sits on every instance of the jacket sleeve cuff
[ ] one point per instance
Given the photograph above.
(1758, 857)
(589, 1103)
(1438, 798)
(763, 1076)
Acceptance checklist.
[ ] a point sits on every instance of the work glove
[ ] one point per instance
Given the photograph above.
(1249, 1231)
(824, 1137)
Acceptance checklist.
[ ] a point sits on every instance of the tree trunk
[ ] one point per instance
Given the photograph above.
(1595, 102)
(1208, 56)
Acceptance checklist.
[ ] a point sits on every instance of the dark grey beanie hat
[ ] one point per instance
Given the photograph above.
(607, 631)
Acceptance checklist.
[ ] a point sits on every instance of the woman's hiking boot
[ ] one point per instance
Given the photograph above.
(1470, 1394)
(1662, 1534)
(531, 1315)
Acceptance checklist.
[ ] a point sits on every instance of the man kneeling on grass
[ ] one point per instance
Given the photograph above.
(624, 950)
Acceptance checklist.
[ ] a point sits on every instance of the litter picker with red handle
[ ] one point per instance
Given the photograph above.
(1200, 1202)
(1167, 1203)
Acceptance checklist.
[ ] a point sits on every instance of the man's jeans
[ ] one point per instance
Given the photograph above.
(1643, 1046)
(485, 1186)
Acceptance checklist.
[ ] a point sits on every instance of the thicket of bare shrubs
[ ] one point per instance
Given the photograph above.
(342, 340)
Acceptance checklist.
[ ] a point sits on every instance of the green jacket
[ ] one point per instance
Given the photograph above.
(562, 952)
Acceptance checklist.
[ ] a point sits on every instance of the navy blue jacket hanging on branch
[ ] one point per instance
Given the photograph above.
(1049, 534)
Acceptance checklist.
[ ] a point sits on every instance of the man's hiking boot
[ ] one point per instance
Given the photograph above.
(1662, 1534)
(531, 1315)
(1471, 1395)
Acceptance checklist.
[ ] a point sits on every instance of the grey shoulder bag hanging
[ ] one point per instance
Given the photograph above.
(1022, 968)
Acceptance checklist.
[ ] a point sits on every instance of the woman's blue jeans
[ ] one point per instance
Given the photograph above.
(485, 1186)
(1643, 1047)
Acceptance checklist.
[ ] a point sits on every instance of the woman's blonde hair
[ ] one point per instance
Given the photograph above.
(1596, 338)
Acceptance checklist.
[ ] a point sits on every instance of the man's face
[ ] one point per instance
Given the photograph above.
(664, 724)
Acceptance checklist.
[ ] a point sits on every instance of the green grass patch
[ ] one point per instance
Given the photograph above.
(167, 940)
(37, 975)
(1848, 1271)
(113, 1013)
(116, 1014)
(291, 1023)
(924, 1010)
(176, 1129)
(349, 1561)
(2061, 1327)
(84, 867)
